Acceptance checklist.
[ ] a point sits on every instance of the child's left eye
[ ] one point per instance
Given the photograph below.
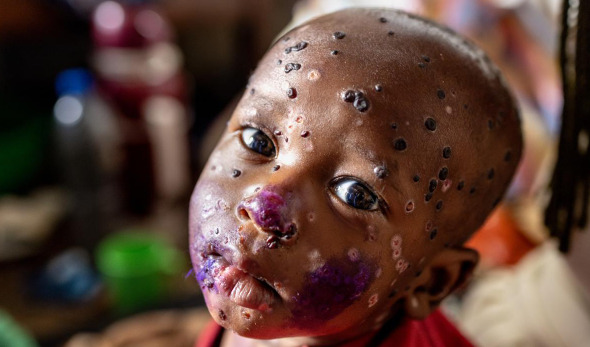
(356, 194)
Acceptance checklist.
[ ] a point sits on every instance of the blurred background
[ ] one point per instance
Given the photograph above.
(108, 110)
(104, 108)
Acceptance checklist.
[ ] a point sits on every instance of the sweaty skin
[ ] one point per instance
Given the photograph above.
(366, 142)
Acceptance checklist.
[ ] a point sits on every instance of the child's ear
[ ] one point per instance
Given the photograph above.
(448, 270)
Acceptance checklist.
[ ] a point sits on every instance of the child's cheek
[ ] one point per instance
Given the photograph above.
(331, 288)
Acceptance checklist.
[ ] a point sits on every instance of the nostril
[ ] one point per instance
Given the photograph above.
(243, 213)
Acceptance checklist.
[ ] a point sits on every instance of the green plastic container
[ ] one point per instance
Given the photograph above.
(135, 266)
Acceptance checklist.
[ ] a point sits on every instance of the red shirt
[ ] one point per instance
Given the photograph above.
(434, 331)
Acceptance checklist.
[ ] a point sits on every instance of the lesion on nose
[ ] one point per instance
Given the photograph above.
(268, 209)
(265, 209)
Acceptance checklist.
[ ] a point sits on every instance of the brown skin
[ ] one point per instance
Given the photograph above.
(406, 247)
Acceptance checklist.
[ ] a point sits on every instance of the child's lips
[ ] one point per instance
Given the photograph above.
(241, 287)
(245, 290)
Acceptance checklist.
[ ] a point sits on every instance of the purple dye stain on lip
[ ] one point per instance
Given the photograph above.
(206, 273)
(331, 288)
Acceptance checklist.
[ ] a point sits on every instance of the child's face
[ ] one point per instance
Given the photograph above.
(305, 219)
(339, 175)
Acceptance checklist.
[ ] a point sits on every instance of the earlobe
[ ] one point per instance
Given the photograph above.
(417, 305)
(447, 271)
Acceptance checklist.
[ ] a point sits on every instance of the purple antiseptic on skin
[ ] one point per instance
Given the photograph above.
(330, 289)
(266, 210)
(206, 273)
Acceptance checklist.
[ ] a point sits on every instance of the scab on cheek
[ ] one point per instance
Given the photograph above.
(373, 300)
(353, 254)
(210, 208)
(401, 265)
(396, 242)
(396, 246)
(371, 233)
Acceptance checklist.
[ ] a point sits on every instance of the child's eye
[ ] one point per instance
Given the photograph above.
(356, 194)
(257, 141)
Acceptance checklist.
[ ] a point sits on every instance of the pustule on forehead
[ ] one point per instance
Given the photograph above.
(357, 98)
(381, 171)
(313, 75)
(250, 111)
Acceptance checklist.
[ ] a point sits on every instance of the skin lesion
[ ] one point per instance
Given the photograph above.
(331, 288)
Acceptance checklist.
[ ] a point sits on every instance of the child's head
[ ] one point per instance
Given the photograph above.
(366, 149)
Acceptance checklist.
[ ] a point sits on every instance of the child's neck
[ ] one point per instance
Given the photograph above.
(356, 338)
(231, 339)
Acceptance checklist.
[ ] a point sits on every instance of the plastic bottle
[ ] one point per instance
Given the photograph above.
(79, 132)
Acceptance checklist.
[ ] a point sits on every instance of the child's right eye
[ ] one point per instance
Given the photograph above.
(257, 141)
(355, 194)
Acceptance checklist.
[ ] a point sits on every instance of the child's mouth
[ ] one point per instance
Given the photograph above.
(218, 275)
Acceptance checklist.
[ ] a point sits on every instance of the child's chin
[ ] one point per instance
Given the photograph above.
(265, 327)
(251, 323)
(258, 333)
(254, 329)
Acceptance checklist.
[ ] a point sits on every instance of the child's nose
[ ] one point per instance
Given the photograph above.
(268, 210)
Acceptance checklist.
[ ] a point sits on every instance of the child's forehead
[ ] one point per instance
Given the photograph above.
(382, 72)
(366, 45)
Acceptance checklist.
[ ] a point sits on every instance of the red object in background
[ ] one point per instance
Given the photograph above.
(499, 241)
(136, 61)
(115, 25)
